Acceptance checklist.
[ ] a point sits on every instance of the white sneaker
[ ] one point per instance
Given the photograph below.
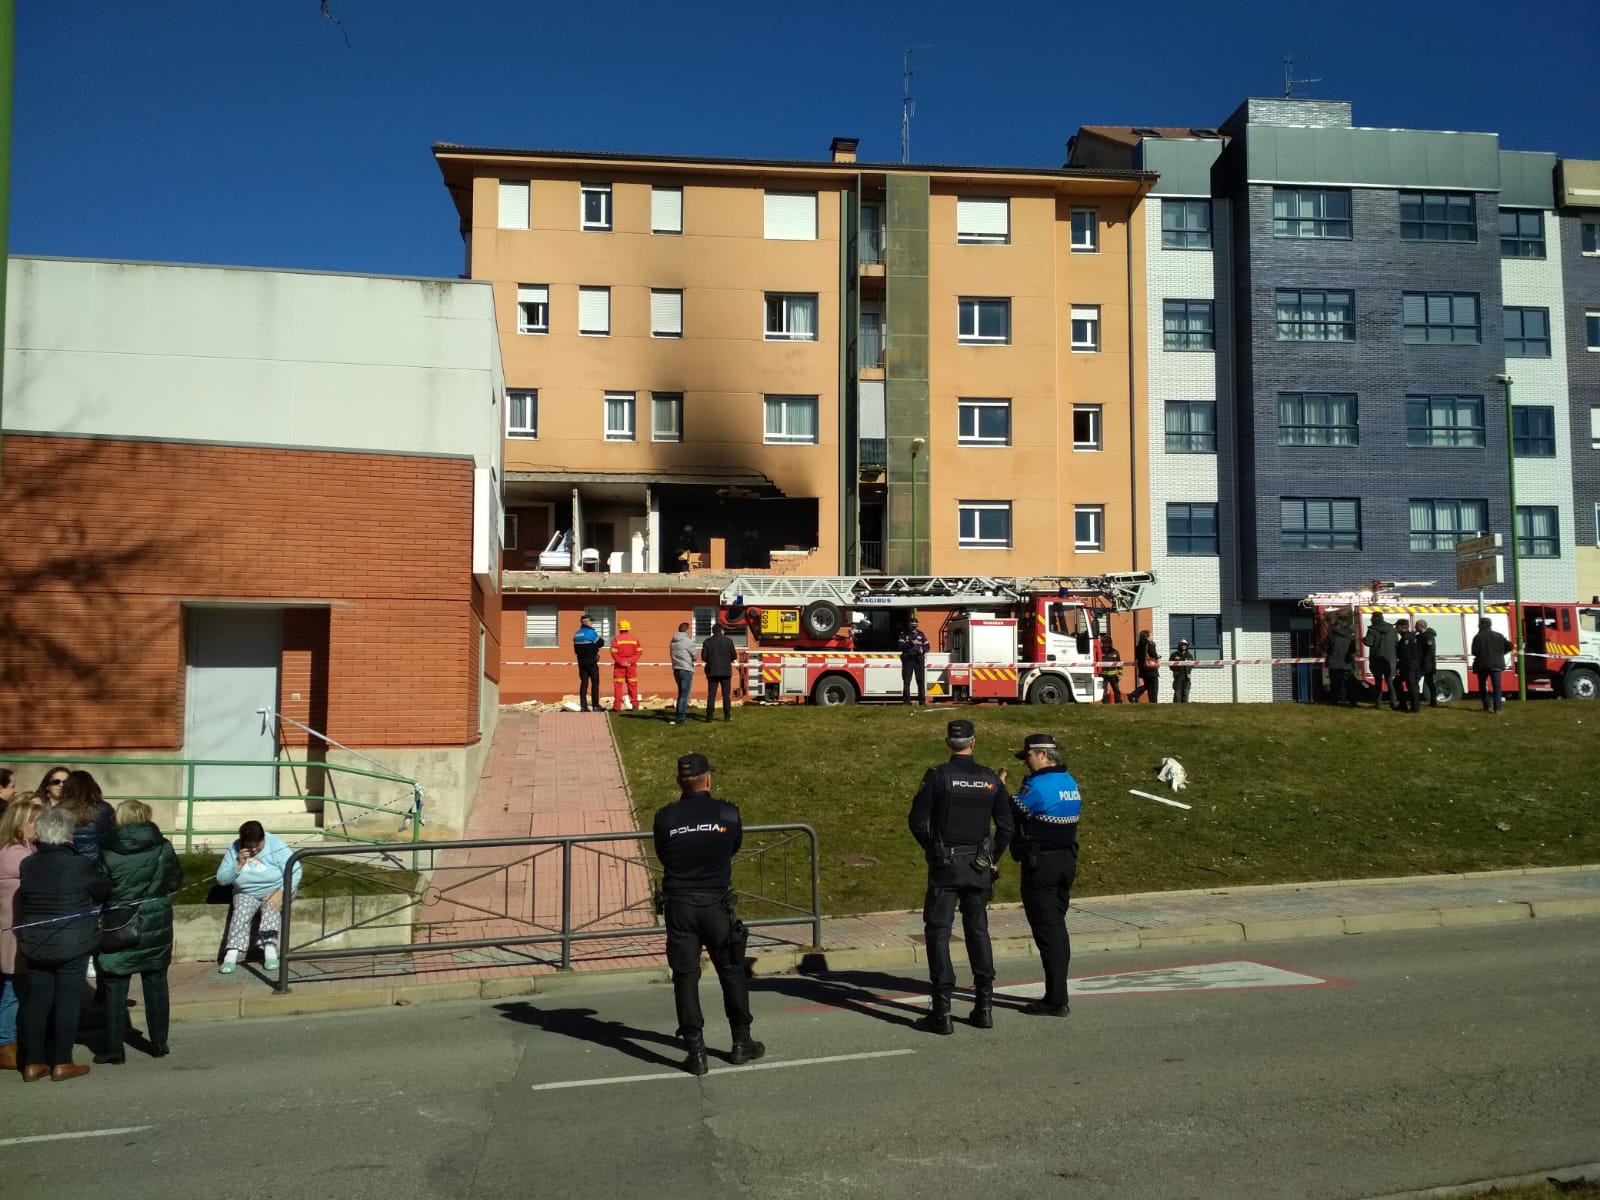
(90, 974)
(230, 960)
(269, 956)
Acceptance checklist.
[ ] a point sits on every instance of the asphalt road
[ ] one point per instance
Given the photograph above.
(1389, 1062)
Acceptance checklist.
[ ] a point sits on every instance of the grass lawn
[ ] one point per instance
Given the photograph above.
(1281, 792)
(319, 877)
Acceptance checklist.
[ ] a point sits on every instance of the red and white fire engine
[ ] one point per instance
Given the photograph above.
(1561, 640)
(832, 640)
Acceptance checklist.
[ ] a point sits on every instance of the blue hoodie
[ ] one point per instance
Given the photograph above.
(261, 875)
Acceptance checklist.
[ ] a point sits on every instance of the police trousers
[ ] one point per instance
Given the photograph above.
(1047, 877)
(696, 919)
(970, 888)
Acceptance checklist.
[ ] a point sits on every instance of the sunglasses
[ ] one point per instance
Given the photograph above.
(62, 782)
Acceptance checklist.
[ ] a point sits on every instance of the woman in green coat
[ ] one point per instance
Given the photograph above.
(144, 872)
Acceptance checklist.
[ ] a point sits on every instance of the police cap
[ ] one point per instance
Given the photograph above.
(691, 766)
(1036, 741)
(960, 729)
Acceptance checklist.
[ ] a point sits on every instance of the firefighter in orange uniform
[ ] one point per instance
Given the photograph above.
(625, 654)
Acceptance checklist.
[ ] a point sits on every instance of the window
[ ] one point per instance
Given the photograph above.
(1310, 213)
(619, 416)
(1438, 217)
(1089, 528)
(666, 210)
(513, 204)
(1527, 333)
(522, 414)
(790, 216)
(983, 220)
(984, 524)
(1538, 531)
(871, 233)
(1191, 427)
(1533, 431)
(510, 530)
(533, 308)
(1594, 429)
(1590, 235)
(1444, 420)
(1086, 327)
(596, 201)
(605, 620)
(1317, 419)
(983, 422)
(1319, 524)
(791, 318)
(1186, 224)
(1439, 318)
(1440, 524)
(1316, 316)
(539, 627)
(1187, 325)
(981, 320)
(666, 416)
(1204, 635)
(666, 313)
(1192, 529)
(1521, 233)
(1086, 427)
(792, 420)
(1591, 330)
(1085, 230)
(594, 311)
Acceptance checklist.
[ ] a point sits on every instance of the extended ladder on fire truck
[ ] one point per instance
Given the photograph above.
(1125, 590)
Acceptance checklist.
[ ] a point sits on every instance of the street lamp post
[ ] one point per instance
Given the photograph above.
(916, 450)
(1505, 381)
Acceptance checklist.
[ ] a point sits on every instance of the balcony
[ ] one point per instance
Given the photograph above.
(874, 456)
(871, 246)
(869, 348)
(871, 558)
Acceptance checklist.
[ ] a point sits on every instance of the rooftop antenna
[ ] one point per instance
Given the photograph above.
(1289, 79)
(908, 106)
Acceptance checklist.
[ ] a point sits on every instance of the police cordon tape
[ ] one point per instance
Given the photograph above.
(885, 657)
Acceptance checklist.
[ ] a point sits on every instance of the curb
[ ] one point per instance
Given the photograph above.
(1583, 1171)
(907, 953)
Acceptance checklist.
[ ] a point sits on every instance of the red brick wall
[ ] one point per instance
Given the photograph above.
(101, 541)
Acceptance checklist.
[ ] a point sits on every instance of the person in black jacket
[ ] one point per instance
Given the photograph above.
(718, 653)
(914, 649)
(1339, 647)
(93, 818)
(1381, 641)
(56, 908)
(1489, 650)
(1147, 665)
(696, 837)
(1427, 662)
(144, 872)
(1182, 671)
(1407, 666)
(961, 817)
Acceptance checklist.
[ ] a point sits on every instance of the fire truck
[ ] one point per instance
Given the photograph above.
(831, 640)
(1561, 640)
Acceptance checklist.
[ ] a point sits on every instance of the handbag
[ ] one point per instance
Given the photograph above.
(118, 929)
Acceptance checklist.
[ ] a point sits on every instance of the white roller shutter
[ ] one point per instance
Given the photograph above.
(539, 626)
(666, 313)
(513, 204)
(791, 216)
(666, 210)
(985, 218)
(529, 293)
(594, 310)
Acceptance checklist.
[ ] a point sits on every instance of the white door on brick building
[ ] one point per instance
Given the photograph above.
(233, 659)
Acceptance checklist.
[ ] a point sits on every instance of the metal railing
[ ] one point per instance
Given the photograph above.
(871, 557)
(508, 904)
(869, 348)
(874, 452)
(407, 806)
(871, 245)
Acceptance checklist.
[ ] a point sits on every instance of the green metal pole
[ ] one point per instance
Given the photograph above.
(188, 808)
(913, 512)
(8, 57)
(1516, 553)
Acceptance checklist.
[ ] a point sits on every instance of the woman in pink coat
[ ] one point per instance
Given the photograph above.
(16, 843)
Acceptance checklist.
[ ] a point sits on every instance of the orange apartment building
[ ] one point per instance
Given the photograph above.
(811, 367)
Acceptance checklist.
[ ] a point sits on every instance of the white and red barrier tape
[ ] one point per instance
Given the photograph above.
(1127, 666)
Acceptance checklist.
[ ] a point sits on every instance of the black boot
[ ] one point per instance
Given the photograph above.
(938, 1019)
(983, 1006)
(696, 1063)
(745, 1048)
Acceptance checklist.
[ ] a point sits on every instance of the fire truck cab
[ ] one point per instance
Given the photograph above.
(832, 640)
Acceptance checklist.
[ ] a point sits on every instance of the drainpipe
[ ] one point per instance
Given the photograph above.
(1133, 423)
(577, 532)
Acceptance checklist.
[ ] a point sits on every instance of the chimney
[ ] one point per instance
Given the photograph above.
(844, 149)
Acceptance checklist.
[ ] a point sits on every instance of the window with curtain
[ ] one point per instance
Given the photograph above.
(619, 417)
(1188, 325)
(522, 414)
(1538, 531)
(1191, 426)
(1315, 316)
(1317, 419)
(666, 417)
(1319, 523)
(791, 420)
(791, 317)
(1437, 525)
(1448, 421)
(1310, 213)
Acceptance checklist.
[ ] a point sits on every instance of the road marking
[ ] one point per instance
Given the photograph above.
(764, 1066)
(63, 1137)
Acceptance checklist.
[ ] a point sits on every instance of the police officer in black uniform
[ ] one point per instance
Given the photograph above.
(696, 837)
(951, 819)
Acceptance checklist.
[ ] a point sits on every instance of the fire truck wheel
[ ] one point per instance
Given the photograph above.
(834, 690)
(1048, 689)
(1582, 684)
(821, 619)
(1447, 687)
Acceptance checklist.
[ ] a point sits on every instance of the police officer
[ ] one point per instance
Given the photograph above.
(696, 837)
(1046, 845)
(951, 818)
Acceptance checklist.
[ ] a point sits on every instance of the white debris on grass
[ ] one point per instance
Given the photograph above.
(1172, 772)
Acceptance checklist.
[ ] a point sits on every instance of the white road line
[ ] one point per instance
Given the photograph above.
(717, 1073)
(63, 1137)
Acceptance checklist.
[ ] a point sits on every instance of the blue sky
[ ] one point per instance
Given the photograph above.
(249, 132)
